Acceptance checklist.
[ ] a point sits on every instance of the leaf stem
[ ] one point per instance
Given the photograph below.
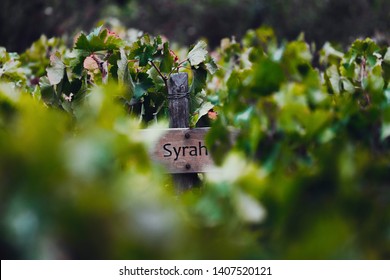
(165, 79)
(178, 66)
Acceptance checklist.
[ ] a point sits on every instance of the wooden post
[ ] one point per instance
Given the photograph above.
(179, 113)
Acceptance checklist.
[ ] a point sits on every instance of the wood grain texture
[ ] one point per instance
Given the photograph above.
(178, 107)
(179, 114)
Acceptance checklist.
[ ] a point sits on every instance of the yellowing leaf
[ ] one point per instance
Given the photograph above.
(90, 63)
(55, 73)
(198, 54)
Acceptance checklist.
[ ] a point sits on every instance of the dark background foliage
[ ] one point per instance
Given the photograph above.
(22, 22)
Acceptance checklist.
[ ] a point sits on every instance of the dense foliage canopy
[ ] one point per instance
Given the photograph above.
(308, 176)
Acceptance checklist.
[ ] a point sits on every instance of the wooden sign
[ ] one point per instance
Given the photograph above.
(182, 150)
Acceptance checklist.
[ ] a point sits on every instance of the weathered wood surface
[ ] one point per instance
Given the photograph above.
(179, 114)
(179, 110)
(181, 150)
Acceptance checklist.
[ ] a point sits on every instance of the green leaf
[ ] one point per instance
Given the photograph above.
(76, 61)
(329, 54)
(167, 60)
(347, 85)
(106, 41)
(199, 80)
(244, 117)
(10, 68)
(198, 54)
(47, 91)
(218, 139)
(385, 131)
(196, 100)
(376, 83)
(386, 58)
(142, 85)
(334, 78)
(211, 66)
(99, 40)
(95, 32)
(158, 41)
(73, 86)
(124, 76)
(348, 67)
(82, 42)
(56, 71)
(266, 78)
(144, 54)
(202, 110)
